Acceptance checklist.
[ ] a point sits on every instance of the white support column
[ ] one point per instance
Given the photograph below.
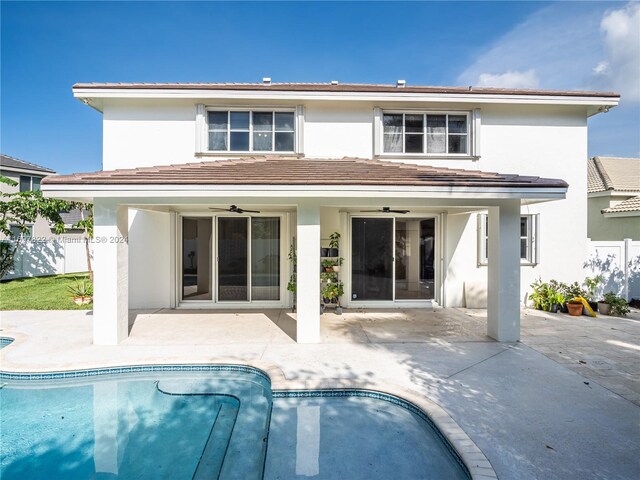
(308, 276)
(503, 312)
(111, 273)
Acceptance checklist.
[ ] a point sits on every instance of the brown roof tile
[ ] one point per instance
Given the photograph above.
(302, 171)
(344, 87)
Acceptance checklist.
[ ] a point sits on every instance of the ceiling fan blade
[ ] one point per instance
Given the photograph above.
(250, 211)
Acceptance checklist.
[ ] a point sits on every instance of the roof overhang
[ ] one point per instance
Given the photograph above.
(635, 213)
(179, 193)
(95, 96)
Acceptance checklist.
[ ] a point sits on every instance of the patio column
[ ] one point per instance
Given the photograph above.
(503, 312)
(308, 277)
(111, 273)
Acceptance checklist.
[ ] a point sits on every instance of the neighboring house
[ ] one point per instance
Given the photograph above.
(27, 177)
(404, 173)
(614, 198)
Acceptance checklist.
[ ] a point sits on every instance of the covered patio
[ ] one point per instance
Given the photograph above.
(366, 326)
(139, 261)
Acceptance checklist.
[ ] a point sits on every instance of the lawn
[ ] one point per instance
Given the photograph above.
(41, 293)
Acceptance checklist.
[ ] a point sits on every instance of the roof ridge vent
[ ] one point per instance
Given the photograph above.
(266, 80)
(401, 83)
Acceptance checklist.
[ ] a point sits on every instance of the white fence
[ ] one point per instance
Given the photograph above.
(50, 257)
(619, 265)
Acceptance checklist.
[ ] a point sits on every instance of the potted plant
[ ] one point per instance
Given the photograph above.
(324, 252)
(592, 285)
(556, 300)
(575, 307)
(338, 264)
(328, 265)
(82, 293)
(613, 305)
(334, 244)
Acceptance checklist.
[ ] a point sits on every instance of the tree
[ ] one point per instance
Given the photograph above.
(19, 209)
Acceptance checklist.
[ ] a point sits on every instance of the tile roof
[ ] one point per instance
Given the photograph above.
(302, 171)
(613, 173)
(344, 87)
(10, 162)
(73, 216)
(629, 205)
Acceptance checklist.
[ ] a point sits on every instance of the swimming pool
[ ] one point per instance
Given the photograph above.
(203, 421)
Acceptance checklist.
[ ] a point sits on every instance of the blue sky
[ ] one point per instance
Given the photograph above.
(48, 46)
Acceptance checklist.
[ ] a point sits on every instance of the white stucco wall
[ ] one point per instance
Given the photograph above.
(546, 141)
(149, 259)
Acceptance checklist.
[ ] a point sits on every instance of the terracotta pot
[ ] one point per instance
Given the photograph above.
(575, 309)
(604, 308)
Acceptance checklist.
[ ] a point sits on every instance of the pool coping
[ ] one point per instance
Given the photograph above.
(475, 461)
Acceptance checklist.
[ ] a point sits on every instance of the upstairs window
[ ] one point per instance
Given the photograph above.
(251, 131)
(426, 133)
(29, 183)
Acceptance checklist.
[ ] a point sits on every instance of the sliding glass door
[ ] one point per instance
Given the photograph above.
(372, 259)
(237, 257)
(392, 259)
(196, 258)
(233, 256)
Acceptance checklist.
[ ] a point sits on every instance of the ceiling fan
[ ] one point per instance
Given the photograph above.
(385, 210)
(234, 209)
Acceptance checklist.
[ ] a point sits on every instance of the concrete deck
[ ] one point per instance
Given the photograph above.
(563, 403)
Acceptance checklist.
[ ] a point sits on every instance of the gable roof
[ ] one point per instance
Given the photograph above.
(9, 162)
(613, 173)
(342, 87)
(303, 171)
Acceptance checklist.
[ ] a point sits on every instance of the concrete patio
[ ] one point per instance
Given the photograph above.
(562, 403)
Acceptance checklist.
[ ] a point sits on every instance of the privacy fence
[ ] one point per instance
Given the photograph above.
(619, 265)
(49, 257)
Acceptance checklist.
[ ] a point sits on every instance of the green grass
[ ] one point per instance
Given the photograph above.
(41, 293)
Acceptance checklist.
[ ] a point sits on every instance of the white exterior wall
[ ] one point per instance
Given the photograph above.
(149, 259)
(546, 141)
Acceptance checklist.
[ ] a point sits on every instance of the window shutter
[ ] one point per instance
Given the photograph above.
(475, 132)
(377, 131)
(201, 128)
(300, 129)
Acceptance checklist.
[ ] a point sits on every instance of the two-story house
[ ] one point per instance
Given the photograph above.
(432, 189)
(27, 177)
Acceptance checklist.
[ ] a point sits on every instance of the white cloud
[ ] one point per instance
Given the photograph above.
(601, 68)
(564, 47)
(509, 79)
(621, 30)
(581, 46)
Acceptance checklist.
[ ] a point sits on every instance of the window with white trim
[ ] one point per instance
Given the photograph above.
(430, 133)
(29, 183)
(528, 239)
(251, 131)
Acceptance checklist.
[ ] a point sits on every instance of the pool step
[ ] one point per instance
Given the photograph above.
(212, 458)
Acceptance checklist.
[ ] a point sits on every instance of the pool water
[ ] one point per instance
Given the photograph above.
(209, 424)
